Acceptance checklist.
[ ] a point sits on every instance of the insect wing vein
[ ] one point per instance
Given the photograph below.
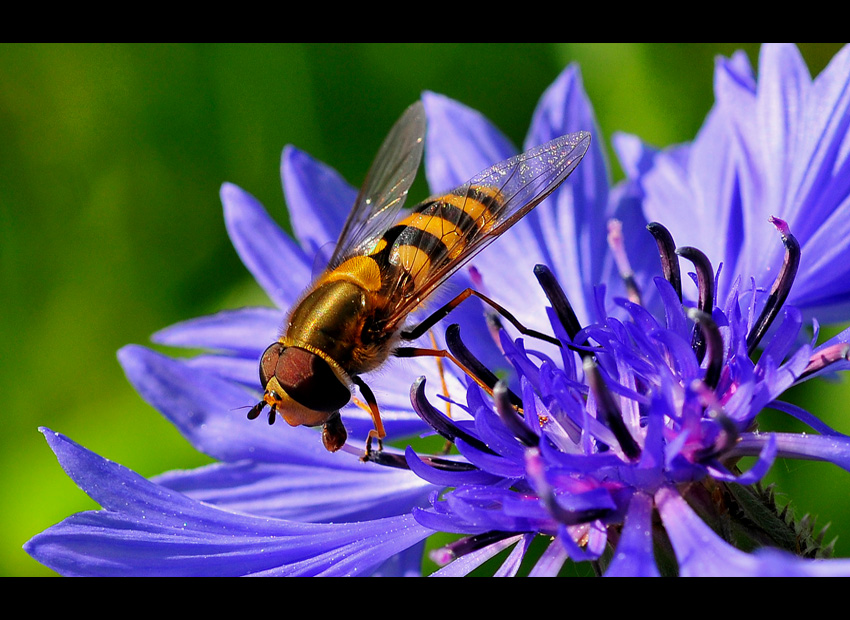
(493, 200)
(385, 189)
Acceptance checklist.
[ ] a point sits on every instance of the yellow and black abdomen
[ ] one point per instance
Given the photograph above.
(424, 244)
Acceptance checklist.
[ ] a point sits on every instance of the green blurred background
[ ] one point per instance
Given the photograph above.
(111, 160)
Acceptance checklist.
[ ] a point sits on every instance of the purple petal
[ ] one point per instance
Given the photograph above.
(551, 561)
(459, 144)
(340, 491)
(633, 556)
(783, 86)
(317, 197)
(469, 562)
(819, 178)
(634, 155)
(701, 553)
(239, 370)
(278, 264)
(247, 331)
(804, 416)
(146, 529)
(834, 449)
(510, 566)
(578, 209)
(446, 478)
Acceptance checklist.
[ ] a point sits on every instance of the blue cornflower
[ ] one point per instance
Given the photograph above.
(590, 473)
(650, 412)
(638, 425)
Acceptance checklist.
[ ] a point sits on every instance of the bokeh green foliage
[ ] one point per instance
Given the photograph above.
(111, 159)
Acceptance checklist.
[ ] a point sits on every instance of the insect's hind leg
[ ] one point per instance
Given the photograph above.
(417, 330)
(441, 353)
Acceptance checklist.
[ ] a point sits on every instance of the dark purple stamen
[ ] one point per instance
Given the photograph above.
(705, 284)
(556, 296)
(480, 372)
(388, 459)
(834, 353)
(463, 546)
(667, 252)
(714, 346)
(781, 286)
(608, 412)
(534, 467)
(725, 439)
(445, 426)
(511, 417)
(398, 461)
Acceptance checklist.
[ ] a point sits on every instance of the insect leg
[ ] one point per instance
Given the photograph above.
(378, 432)
(442, 374)
(427, 323)
(440, 353)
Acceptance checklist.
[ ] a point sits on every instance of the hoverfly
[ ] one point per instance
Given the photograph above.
(351, 318)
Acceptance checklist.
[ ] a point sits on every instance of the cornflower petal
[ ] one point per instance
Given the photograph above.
(634, 556)
(277, 263)
(470, 561)
(834, 449)
(460, 143)
(147, 529)
(317, 197)
(301, 492)
(701, 552)
(244, 332)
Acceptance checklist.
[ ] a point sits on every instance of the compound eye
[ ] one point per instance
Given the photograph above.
(268, 362)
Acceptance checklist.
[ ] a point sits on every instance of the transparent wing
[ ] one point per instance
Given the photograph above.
(459, 228)
(387, 183)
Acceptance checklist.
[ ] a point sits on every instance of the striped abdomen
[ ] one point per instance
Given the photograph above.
(422, 247)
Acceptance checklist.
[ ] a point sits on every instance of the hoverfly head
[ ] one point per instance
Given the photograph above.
(302, 387)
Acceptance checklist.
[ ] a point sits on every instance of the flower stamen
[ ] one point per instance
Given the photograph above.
(478, 371)
(444, 426)
(608, 412)
(511, 417)
(713, 346)
(781, 286)
(556, 296)
(705, 284)
(667, 253)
